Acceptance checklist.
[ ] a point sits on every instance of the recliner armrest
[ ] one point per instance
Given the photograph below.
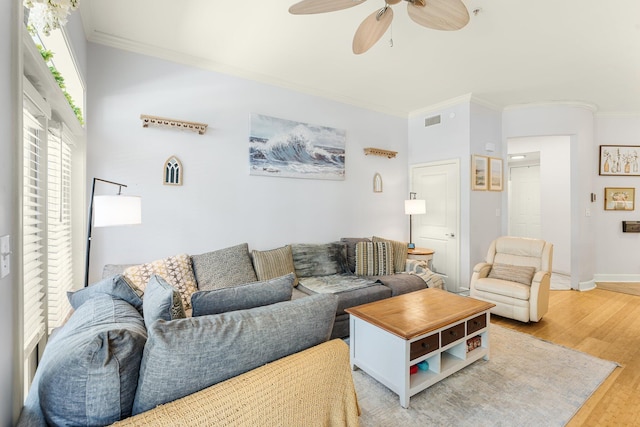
(482, 268)
(539, 276)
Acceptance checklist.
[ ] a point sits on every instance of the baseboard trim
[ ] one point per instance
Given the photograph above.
(587, 286)
(616, 278)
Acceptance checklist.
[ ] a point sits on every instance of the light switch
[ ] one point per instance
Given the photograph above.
(5, 256)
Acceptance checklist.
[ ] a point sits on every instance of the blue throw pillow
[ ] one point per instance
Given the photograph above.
(89, 370)
(116, 286)
(161, 301)
(242, 297)
(188, 355)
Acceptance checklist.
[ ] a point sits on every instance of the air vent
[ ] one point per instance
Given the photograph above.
(430, 121)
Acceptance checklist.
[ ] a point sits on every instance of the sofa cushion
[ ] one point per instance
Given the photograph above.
(242, 297)
(187, 355)
(512, 273)
(176, 270)
(117, 286)
(274, 263)
(222, 268)
(312, 260)
(374, 259)
(399, 252)
(351, 242)
(88, 373)
(161, 301)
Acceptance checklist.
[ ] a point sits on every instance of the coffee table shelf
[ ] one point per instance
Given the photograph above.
(389, 336)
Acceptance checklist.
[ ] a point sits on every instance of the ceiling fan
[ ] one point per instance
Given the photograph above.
(447, 15)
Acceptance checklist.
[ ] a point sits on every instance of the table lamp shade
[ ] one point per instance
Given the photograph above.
(415, 207)
(116, 210)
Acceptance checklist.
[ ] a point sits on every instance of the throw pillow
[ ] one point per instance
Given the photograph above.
(351, 250)
(312, 260)
(117, 286)
(274, 263)
(176, 270)
(161, 301)
(242, 297)
(399, 253)
(222, 268)
(184, 356)
(513, 273)
(374, 259)
(96, 353)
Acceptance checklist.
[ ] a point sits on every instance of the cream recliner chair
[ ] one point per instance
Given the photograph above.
(515, 277)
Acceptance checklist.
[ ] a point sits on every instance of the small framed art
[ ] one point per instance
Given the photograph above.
(619, 199)
(619, 160)
(495, 174)
(479, 172)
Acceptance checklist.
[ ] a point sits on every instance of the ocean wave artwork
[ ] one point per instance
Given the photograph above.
(285, 148)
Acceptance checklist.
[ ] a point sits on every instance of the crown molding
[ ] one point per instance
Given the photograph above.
(577, 104)
(619, 115)
(104, 39)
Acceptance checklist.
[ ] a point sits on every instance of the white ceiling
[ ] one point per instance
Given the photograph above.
(511, 52)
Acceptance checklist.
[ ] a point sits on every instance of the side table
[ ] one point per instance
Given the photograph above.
(422, 254)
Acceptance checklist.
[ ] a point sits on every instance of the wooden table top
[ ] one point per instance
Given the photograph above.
(420, 251)
(416, 313)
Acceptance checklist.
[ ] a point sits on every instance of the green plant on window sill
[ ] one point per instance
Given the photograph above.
(47, 55)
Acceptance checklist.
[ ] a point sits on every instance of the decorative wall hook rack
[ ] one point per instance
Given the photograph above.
(380, 152)
(147, 121)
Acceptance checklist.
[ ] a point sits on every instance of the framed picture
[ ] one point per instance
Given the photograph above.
(619, 160)
(290, 149)
(479, 172)
(495, 174)
(619, 199)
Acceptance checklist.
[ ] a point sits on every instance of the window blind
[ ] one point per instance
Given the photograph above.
(59, 227)
(33, 230)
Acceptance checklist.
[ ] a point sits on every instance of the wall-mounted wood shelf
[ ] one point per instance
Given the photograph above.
(380, 152)
(147, 121)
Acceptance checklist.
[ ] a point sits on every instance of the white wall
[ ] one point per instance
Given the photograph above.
(220, 204)
(465, 129)
(10, 116)
(486, 207)
(576, 122)
(555, 190)
(617, 252)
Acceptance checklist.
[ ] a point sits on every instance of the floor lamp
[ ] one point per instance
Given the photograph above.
(108, 211)
(413, 207)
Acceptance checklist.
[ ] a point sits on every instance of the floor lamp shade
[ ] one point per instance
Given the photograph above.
(116, 210)
(415, 207)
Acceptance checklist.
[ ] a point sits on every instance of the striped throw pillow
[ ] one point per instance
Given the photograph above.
(374, 258)
(512, 273)
(274, 263)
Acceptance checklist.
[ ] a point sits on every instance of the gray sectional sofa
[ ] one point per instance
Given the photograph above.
(186, 331)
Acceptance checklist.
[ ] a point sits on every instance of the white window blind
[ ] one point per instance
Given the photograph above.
(59, 227)
(33, 229)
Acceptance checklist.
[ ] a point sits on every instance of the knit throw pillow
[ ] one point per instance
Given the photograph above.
(374, 258)
(512, 273)
(274, 263)
(175, 270)
(399, 253)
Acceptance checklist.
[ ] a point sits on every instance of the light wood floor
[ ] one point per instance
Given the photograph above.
(604, 324)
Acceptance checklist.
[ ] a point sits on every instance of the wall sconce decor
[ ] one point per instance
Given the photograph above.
(173, 171)
(377, 183)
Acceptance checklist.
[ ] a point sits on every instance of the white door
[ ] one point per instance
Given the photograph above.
(524, 202)
(439, 184)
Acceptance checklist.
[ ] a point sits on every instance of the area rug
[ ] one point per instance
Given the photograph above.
(527, 382)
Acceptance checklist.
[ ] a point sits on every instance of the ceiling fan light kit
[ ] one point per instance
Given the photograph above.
(444, 15)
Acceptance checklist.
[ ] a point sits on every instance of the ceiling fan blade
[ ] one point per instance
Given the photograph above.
(307, 7)
(447, 15)
(371, 29)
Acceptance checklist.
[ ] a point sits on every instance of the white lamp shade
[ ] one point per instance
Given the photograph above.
(415, 207)
(116, 210)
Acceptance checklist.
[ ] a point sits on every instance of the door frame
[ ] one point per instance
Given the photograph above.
(454, 287)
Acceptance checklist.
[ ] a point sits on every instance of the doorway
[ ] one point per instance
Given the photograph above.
(438, 183)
